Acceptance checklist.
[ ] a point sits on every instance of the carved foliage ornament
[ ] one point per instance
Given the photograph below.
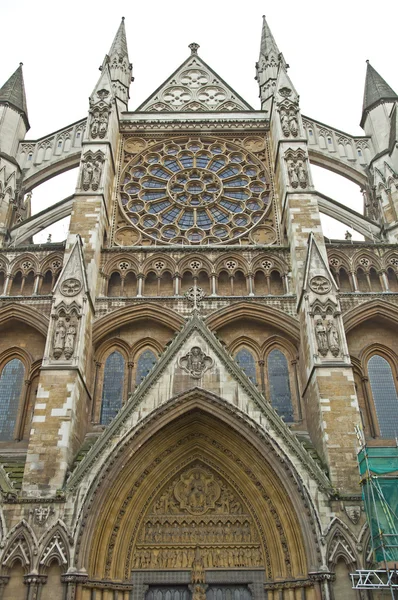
(195, 294)
(196, 362)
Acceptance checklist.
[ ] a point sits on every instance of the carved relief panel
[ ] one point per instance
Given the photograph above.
(198, 511)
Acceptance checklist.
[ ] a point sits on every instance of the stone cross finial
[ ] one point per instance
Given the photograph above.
(194, 48)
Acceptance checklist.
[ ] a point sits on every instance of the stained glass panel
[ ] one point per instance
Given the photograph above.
(279, 385)
(112, 390)
(144, 365)
(384, 396)
(11, 383)
(246, 361)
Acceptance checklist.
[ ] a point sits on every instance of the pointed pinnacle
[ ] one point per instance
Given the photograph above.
(119, 44)
(376, 89)
(268, 43)
(13, 92)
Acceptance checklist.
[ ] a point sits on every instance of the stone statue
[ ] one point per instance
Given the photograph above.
(293, 178)
(302, 174)
(70, 341)
(59, 339)
(333, 339)
(96, 175)
(293, 124)
(285, 123)
(95, 124)
(87, 175)
(103, 126)
(321, 336)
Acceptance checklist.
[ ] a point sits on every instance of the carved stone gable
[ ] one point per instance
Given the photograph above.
(194, 87)
(198, 515)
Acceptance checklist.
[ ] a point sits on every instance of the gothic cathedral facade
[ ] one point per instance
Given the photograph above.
(180, 380)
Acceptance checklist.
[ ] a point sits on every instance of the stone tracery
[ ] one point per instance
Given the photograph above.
(194, 191)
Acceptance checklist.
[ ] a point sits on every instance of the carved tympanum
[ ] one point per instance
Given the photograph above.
(196, 362)
(197, 522)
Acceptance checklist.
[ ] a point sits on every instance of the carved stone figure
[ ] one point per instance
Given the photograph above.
(199, 592)
(96, 175)
(197, 491)
(302, 174)
(103, 126)
(95, 124)
(321, 337)
(293, 123)
(285, 123)
(333, 339)
(70, 341)
(59, 339)
(87, 175)
(293, 178)
(196, 362)
(353, 513)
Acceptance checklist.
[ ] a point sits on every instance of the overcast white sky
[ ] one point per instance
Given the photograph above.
(326, 44)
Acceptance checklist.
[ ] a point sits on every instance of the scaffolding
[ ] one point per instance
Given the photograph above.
(378, 470)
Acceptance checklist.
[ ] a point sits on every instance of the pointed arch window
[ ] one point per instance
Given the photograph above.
(11, 384)
(279, 385)
(145, 363)
(384, 395)
(245, 360)
(113, 387)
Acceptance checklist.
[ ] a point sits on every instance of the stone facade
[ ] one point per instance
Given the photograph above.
(181, 379)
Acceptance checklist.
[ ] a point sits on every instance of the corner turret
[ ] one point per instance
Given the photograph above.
(378, 101)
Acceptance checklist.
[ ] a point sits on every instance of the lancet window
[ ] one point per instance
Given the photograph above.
(384, 395)
(145, 363)
(279, 385)
(113, 387)
(11, 385)
(245, 360)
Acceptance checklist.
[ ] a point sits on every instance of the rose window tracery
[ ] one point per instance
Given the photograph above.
(194, 191)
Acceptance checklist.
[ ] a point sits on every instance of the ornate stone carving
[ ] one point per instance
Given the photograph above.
(99, 123)
(195, 294)
(92, 170)
(289, 122)
(296, 166)
(320, 284)
(41, 514)
(65, 330)
(70, 287)
(353, 513)
(196, 362)
(198, 521)
(197, 491)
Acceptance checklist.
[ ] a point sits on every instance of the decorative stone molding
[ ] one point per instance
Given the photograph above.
(196, 362)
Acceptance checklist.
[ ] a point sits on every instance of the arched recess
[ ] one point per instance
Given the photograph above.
(127, 315)
(370, 310)
(148, 475)
(256, 312)
(25, 314)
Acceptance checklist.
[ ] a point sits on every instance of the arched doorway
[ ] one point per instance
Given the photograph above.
(197, 503)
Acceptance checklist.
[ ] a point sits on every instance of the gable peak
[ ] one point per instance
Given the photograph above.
(194, 87)
(13, 93)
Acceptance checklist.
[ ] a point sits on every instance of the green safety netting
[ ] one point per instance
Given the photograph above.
(379, 471)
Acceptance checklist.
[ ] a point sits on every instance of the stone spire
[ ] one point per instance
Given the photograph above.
(376, 90)
(268, 65)
(120, 67)
(13, 93)
(268, 44)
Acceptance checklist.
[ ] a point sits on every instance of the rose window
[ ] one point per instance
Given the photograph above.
(194, 191)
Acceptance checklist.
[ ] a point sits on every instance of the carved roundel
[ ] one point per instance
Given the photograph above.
(320, 284)
(194, 191)
(70, 287)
